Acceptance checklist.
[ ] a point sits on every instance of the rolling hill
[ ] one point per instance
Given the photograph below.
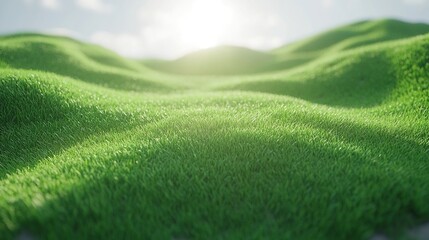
(94, 145)
(67, 57)
(355, 35)
(345, 38)
(223, 60)
(229, 60)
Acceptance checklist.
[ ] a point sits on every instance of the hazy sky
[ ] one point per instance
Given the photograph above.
(170, 28)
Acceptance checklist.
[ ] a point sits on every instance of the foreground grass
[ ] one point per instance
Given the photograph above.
(214, 157)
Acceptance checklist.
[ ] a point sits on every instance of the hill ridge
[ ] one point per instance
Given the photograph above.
(218, 61)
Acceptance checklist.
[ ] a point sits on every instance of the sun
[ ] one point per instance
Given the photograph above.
(205, 24)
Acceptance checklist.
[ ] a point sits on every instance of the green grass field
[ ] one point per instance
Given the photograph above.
(326, 138)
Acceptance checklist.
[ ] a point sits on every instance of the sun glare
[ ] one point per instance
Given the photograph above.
(206, 23)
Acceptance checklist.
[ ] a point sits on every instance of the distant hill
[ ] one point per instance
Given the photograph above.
(355, 35)
(68, 57)
(347, 37)
(223, 60)
(228, 60)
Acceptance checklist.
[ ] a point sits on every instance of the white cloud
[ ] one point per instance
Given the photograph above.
(94, 5)
(51, 4)
(62, 32)
(262, 43)
(327, 3)
(48, 4)
(163, 35)
(125, 44)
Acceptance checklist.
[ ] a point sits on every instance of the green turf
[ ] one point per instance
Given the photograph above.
(95, 146)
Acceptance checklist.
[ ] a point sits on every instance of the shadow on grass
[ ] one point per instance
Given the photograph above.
(54, 58)
(24, 145)
(364, 83)
(385, 144)
(248, 184)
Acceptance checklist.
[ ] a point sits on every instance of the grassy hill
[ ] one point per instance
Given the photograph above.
(224, 60)
(356, 35)
(97, 146)
(344, 38)
(85, 62)
(228, 60)
(364, 77)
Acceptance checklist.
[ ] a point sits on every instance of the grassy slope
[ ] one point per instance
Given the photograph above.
(213, 157)
(84, 62)
(224, 60)
(228, 60)
(356, 35)
(359, 78)
(345, 38)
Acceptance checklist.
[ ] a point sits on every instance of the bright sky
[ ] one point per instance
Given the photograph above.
(171, 28)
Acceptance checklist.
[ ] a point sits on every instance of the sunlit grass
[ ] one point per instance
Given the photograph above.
(97, 146)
